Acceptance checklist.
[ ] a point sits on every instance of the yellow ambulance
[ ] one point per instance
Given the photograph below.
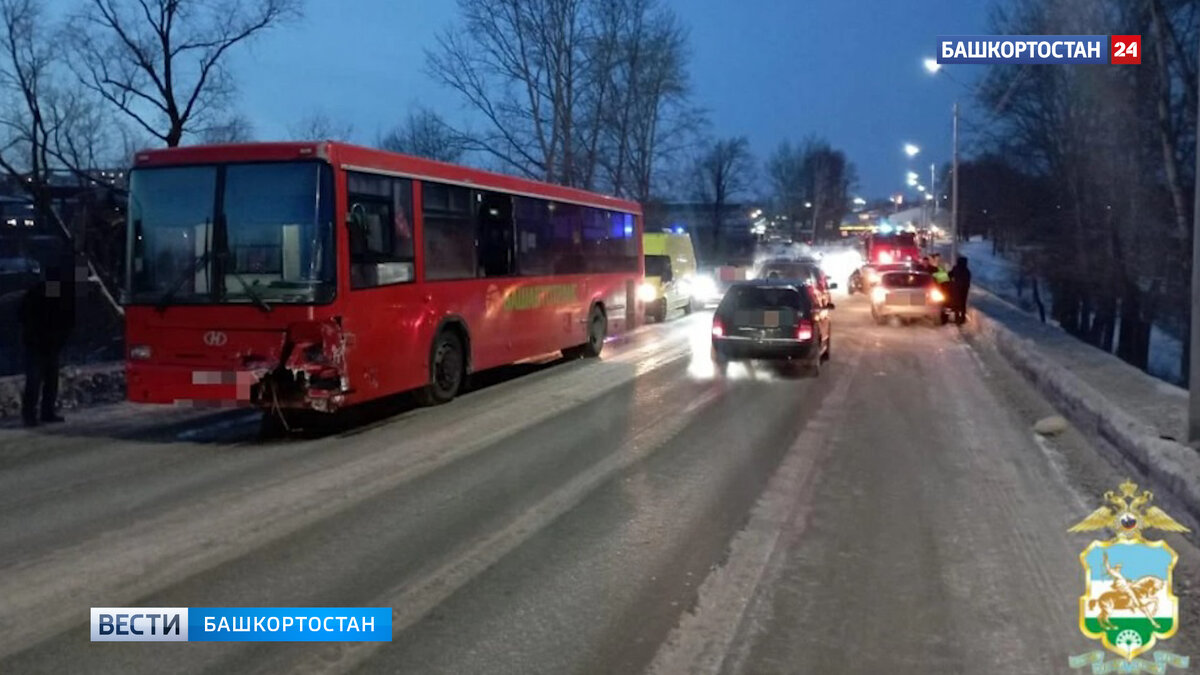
(670, 274)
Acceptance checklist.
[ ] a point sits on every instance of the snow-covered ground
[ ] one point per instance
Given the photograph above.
(1001, 276)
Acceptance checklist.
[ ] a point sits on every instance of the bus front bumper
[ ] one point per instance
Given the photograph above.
(210, 388)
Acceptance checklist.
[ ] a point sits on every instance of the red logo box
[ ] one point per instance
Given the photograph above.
(1125, 49)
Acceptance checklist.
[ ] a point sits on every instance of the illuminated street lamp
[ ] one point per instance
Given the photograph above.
(911, 150)
(932, 65)
(912, 177)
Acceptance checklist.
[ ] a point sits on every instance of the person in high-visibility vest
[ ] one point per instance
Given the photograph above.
(940, 274)
(942, 278)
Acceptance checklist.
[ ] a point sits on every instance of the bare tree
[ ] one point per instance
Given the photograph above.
(236, 128)
(518, 63)
(811, 184)
(28, 116)
(723, 171)
(160, 62)
(785, 170)
(655, 118)
(425, 134)
(319, 126)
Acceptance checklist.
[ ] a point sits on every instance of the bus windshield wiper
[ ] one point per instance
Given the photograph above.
(246, 288)
(167, 297)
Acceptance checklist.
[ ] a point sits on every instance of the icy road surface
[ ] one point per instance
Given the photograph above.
(638, 512)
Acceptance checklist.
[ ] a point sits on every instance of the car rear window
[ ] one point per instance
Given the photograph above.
(906, 280)
(759, 297)
(787, 271)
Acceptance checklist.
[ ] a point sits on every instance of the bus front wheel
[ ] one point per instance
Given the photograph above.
(445, 370)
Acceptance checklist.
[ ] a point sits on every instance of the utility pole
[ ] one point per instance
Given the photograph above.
(933, 186)
(1194, 346)
(954, 203)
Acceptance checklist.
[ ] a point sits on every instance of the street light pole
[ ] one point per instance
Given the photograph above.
(954, 198)
(1194, 346)
(933, 186)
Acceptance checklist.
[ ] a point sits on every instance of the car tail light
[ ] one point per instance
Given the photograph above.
(878, 295)
(718, 329)
(805, 330)
(936, 295)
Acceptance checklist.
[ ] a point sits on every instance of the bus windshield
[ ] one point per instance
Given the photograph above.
(232, 233)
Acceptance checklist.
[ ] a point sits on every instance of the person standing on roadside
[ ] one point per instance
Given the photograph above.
(942, 278)
(47, 316)
(960, 284)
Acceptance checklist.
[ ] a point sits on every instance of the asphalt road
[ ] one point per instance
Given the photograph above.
(639, 512)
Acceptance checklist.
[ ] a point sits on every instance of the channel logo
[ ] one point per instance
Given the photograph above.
(139, 624)
(1039, 49)
(241, 624)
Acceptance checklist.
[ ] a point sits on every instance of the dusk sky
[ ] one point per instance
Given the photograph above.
(849, 70)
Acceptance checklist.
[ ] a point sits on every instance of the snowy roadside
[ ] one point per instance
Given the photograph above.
(1108, 398)
(1001, 277)
(78, 386)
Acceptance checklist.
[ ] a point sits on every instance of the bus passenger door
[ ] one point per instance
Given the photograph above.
(500, 334)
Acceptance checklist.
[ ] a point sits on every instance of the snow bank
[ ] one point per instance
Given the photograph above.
(1172, 464)
(77, 386)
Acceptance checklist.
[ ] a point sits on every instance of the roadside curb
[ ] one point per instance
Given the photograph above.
(1172, 464)
(78, 386)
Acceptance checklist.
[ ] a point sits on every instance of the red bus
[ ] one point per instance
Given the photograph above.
(315, 276)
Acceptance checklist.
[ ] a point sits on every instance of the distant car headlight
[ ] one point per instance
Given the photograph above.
(647, 292)
(139, 352)
(705, 288)
(878, 295)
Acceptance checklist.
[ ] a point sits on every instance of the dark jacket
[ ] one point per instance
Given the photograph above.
(960, 276)
(47, 319)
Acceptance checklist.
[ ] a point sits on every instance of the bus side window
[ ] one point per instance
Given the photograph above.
(449, 232)
(381, 245)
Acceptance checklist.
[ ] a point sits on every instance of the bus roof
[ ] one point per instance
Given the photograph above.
(358, 158)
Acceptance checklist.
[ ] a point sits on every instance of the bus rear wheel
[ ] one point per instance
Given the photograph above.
(445, 370)
(597, 330)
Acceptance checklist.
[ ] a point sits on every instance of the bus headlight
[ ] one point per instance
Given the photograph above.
(647, 292)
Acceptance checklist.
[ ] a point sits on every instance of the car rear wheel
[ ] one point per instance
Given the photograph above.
(446, 370)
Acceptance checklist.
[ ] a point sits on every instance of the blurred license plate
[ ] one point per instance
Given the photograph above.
(771, 319)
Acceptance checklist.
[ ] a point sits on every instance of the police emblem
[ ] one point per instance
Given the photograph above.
(1128, 604)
